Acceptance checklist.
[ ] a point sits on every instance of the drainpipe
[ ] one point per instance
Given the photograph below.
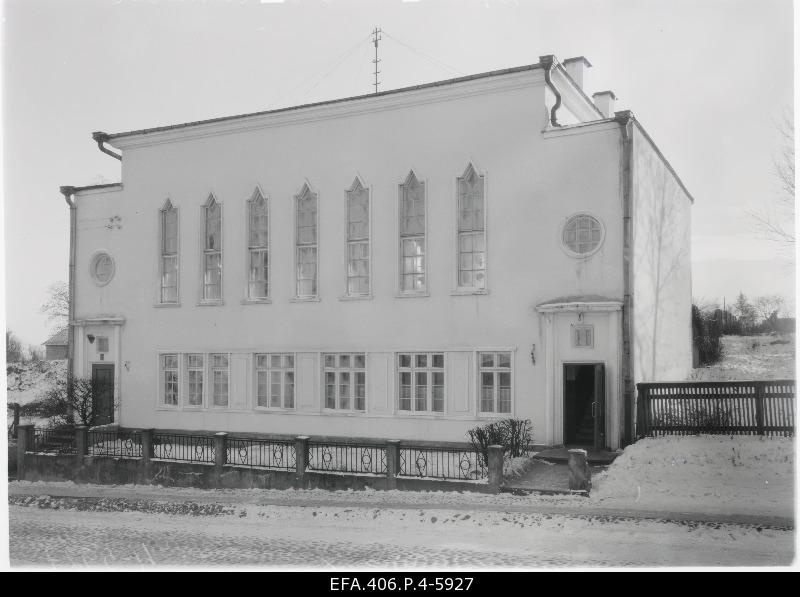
(101, 138)
(68, 193)
(548, 62)
(625, 119)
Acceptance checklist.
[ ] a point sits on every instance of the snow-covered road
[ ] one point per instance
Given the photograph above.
(361, 537)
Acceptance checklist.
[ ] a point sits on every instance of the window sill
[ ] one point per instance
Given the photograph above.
(211, 303)
(410, 414)
(261, 301)
(346, 413)
(468, 292)
(412, 294)
(166, 305)
(495, 415)
(273, 409)
(304, 299)
(356, 297)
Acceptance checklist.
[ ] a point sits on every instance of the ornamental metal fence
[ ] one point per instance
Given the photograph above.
(57, 441)
(184, 448)
(115, 443)
(442, 463)
(348, 458)
(261, 453)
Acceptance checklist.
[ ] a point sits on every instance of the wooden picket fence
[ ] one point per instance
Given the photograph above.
(717, 407)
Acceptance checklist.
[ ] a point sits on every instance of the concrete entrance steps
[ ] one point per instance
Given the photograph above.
(561, 454)
(549, 473)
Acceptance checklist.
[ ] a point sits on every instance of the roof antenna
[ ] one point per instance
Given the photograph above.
(375, 39)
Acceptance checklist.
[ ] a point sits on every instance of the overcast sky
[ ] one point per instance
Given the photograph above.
(708, 79)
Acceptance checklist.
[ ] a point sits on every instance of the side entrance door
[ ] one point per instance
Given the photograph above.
(103, 386)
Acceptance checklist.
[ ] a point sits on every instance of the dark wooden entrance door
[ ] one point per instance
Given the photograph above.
(584, 405)
(103, 386)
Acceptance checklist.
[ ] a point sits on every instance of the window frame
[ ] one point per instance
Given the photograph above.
(399, 236)
(412, 370)
(337, 384)
(306, 189)
(347, 295)
(162, 380)
(162, 254)
(456, 269)
(563, 227)
(249, 249)
(211, 369)
(269, 369)
(187, 369)
(204, 252)
(495, 370)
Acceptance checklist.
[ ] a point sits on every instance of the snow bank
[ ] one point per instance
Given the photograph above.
(706, 473)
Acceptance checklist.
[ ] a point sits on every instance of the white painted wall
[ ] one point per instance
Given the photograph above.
(533, 184)
(662, 285)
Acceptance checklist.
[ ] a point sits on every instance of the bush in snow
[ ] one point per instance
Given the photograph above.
(513, 434)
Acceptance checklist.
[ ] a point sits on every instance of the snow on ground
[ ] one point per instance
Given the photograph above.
(704, 473)
(751, 358)
(323, 537)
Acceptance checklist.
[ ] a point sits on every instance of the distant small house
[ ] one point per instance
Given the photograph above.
(56, 346)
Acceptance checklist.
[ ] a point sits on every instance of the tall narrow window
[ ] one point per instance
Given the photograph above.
(358, 273)
(412, 235)
(306, 243)
(345, 381)
(219, 378)
(194, 368)
(258, 243)
(495, 380)
(471, 231)
(169, 254)
(169, 377)
(212, 251)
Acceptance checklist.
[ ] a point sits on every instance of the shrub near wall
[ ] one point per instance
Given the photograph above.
(513, 434)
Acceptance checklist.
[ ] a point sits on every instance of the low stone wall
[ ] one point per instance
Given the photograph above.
(119, 471)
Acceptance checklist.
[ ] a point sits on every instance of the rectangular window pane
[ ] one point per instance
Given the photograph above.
(288, 389)
(344, 389)
(504, 359)
(405, 391)
(405, 360)
(212, 281)
(438, 361)
(421, 391)
(438, 392)
(487, 359)
(259, 273)
(306, 271)
(220, 388)
(169, 279)
(275, 389)
(263, 388)
(330, 389)
(487, 392)
(504, 392)
(361, 391)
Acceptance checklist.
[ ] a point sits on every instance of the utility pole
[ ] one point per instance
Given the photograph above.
(375, 39)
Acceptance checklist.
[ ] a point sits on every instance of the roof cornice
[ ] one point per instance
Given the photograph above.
(485, 83)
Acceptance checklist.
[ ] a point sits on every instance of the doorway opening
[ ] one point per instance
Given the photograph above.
(584, 405)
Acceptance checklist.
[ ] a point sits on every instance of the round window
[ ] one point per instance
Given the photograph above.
(583, 235)
(101, 268)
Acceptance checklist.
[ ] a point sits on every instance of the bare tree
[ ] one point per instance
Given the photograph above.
(775, 220)
(14, 351)
(56, 307)
(768, 305)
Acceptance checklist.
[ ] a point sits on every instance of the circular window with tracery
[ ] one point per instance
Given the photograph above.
(583, 235)
(101, 268)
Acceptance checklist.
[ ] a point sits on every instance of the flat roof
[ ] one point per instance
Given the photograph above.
(494, 73)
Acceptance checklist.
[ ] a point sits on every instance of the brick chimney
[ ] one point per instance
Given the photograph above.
(575, 68)
(604, 100)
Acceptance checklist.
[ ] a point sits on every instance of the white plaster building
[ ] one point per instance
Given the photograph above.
(407, 265)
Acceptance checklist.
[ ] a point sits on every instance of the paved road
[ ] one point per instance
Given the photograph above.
(336, 537)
